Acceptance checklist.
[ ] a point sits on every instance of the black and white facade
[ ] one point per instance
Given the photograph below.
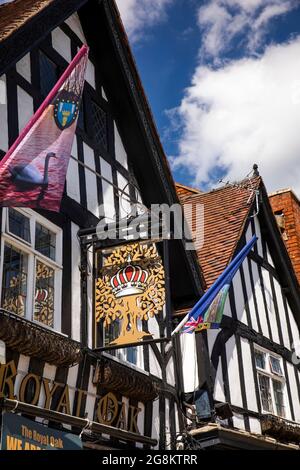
(250, 363)
(47, 320)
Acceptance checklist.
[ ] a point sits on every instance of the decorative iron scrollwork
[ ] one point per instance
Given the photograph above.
(31, 339)
(118, 378)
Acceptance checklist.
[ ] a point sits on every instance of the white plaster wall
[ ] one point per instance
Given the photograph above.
(62, 44)
(120, 152)
(3, 115)
(270, 306)
(282, 315)
(71, 381)
(260, 302)
(91, 180)
(155, 421)
(48, 373)
(25, 108)
(22, 367)
(76, 299)
(255, 425)
(258, 234)
(171, 372)
(91, 396)
(168, 433)
(250, 296)
(90, 312)
(238, 421)
(24, 68)
(73, 185)
(140, 422)
(124, 199)
(233, 373)
(294, 328)
(294, 390)
(239, 299)
(154, 366)
(74, 23)
(189, 362)
(108, 192)
(249, 376)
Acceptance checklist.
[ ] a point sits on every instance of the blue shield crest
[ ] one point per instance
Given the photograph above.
(66, 110)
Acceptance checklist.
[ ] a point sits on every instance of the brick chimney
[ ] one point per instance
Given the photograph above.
(286, 208)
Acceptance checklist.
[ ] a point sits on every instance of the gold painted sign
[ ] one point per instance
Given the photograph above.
(130, 289)
(108, 410)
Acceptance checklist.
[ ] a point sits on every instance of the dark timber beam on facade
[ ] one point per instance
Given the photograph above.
(36, 411)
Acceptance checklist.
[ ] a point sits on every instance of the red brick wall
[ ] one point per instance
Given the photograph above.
(290, 206)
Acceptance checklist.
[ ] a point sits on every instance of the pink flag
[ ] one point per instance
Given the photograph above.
(33, 172)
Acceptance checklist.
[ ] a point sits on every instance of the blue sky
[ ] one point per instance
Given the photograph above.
(223, 81)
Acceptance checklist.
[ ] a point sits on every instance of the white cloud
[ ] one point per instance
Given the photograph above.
(246, 112)
(221, 21)
(140, 14)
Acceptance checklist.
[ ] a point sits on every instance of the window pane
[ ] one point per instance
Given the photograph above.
(265, 393)
(278, 395)
(275, 365)
(19, 225)
(44, 294)
(260, 359)
(112, 332)
(131, 354)
(48, 74)
(99, 125)
(45, 241)
(14, 287)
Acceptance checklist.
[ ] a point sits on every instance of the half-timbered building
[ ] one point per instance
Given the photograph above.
(53, 366)
(244, 388)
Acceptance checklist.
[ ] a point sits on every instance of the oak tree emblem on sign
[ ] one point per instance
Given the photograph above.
(131, 287)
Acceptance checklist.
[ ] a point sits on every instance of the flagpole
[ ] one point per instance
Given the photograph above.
(218, 283)
(46, 102)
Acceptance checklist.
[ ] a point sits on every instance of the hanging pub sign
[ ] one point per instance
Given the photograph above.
(130, 293)
(19, 433)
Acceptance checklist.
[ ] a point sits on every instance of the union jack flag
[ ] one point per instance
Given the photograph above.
(208, 311)
(191, 325)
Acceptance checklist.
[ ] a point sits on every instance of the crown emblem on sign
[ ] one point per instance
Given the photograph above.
(130, 280)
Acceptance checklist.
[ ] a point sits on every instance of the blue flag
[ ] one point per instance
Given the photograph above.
(208, 311)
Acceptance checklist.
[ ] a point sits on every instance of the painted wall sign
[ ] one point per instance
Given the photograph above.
(108, 409)
(130, 289)
(19, 433)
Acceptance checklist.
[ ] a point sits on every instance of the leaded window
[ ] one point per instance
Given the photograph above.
(45, 241)
(271, 382)
(14, 280)
(19, 225)
(31, 267)
(99, 120)
(44, 294)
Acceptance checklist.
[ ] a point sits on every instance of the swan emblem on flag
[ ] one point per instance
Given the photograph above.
(66, 109)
